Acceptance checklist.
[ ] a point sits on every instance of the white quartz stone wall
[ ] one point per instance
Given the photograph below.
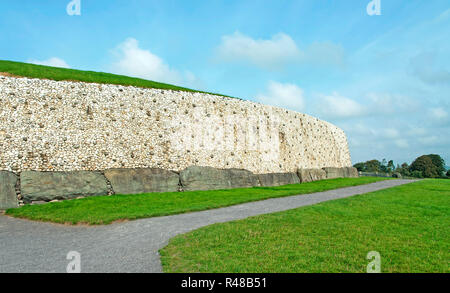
(66, 126)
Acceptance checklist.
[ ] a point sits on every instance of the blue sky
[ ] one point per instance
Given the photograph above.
(384, 79)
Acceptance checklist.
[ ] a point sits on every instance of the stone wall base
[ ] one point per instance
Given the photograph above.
(309, 175)
(8, 196)
(48, 186)
(277, 179)
(38, 187)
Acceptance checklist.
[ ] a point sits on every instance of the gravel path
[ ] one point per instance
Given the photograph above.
(133, 246)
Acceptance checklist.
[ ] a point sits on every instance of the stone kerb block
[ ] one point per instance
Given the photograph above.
(397, 175)
(208, 178)
(351, 172)
(278, 179)
(309, 175)
(335, 172)
(8, 197)
(136, 181)
(48, 186)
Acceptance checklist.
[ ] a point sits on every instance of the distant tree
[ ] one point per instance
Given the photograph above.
(448, 173)
(373, 166)
(361, 167)
(439, 163)
(391, 166)
(425, 165)
(383, 166)
(417, 174)
(404, 170)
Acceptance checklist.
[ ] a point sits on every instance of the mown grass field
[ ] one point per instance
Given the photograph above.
(408, 225)
(107, 209)
(54, 73)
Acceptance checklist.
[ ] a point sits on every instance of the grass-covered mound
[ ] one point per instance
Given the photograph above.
(55, 73)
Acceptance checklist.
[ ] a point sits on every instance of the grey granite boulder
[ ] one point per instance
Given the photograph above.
(208, 178)
(278, 179)
(309, 175)
(335, 172)
(351, 172)
(8, 197)
(136, 181)
(48, 186)
(397, 175)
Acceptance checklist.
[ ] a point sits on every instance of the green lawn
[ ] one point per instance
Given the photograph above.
(54, 73)
(408, 225)
(106, 209)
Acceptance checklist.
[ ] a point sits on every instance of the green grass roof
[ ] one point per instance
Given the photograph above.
(55, 73)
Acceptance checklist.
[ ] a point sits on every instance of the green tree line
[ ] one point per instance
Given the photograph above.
(426, 166)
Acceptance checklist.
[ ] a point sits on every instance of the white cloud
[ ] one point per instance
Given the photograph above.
(417, 131)
(137, 62)
(424, 66)
(54, 62)
(443, 16)
(429, 140)
(325, 53)
(401, 143)
(386, 103)
(359, 129)
(438, 114)
(375, 132)
(284, 95)
(337, 106)
(280, 49)
(390, 133)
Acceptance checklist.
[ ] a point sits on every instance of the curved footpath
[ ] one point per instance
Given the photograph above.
(133, 246)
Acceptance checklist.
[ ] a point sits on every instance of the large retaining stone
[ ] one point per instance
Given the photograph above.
(8, 197)
(135, 181)
(278, 179)
(335, 173)
(397, 175)
(309, 175)
(208, 178)
(48, 186)
(351, 172)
